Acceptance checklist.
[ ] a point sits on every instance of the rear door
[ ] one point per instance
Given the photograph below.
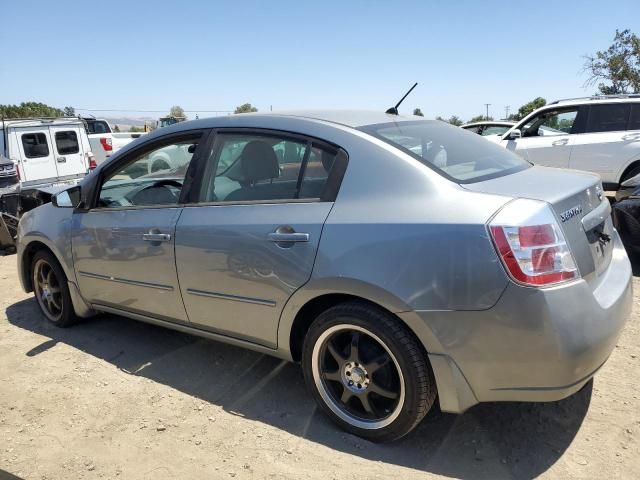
(249, 239)
(547, 137)
(69, 154)
(37, 157)
(606, 145)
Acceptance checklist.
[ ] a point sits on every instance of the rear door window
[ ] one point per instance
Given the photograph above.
(265, 168)
(35, 145)
(67, 142)
(608, 118)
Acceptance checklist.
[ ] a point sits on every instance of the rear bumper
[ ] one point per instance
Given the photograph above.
(534, 344)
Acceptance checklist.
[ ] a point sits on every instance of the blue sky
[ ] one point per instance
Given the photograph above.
(207, 55)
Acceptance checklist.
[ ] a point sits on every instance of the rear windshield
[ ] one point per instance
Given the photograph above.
(97, 126)
(461, 156)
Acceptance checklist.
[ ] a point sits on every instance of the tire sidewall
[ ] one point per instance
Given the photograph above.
(406, 420)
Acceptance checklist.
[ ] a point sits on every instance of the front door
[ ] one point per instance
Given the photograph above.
(36, 154)
(70, 159)
(251, 238)
(546, 138)
(124, 246)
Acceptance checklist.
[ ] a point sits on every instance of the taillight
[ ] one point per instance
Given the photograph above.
(106, 143)
(531, 244)
(91, 160)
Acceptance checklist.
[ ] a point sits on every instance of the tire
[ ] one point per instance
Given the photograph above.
(381, 389)
(52, 290)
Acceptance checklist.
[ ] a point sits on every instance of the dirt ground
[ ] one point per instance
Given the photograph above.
(114, 398)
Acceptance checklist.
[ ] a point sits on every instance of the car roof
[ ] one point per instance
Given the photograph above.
(40, 122)
(505, 123)
(596, 99)
(350, 118)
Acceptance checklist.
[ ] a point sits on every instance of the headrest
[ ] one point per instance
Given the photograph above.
(259, 162)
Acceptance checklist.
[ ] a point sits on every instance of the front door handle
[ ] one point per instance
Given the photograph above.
(156, 237)
(285, 236)
(62, 159)
(557, 143)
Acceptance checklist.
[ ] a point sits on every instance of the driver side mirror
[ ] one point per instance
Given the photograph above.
(514, 134)
(70, 198)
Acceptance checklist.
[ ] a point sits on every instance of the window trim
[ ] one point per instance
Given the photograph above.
(329, 192)
(132, 155)
(46, 142)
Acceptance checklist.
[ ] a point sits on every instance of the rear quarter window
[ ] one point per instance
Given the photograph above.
(460, 156)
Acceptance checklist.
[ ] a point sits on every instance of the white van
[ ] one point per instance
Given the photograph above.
(47, 151)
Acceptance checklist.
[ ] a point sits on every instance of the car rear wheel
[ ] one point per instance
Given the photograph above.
(51, 290)
(368, 372)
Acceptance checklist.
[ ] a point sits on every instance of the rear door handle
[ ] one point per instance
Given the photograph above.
(62, 159)
(156, 237)
(557, 143)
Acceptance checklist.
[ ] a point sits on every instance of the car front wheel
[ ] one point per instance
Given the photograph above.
(51, 290)
(368, 372)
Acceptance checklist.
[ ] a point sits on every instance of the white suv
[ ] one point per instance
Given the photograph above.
(599, 134)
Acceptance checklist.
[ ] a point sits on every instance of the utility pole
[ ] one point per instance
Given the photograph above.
(506, 112)
(487, 105)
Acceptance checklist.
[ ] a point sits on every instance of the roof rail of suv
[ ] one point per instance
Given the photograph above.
(598, 97)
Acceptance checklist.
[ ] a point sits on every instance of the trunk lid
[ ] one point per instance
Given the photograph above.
(578, 201)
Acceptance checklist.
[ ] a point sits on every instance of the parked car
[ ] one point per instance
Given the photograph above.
(104, 141)
(600, 134)
(47, 151)
(8, 172)
(392, 278)
(492, 127)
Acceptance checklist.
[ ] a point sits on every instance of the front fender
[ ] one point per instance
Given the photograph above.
(51, 227)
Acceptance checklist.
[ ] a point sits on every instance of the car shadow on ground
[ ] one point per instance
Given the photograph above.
(513, 440)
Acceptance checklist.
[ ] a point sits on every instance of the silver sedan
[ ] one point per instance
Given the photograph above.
(397, 259)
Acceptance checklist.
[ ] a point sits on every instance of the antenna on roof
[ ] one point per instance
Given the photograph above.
(394, 110)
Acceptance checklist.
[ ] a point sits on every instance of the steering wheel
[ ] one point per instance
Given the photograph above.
(160, 183)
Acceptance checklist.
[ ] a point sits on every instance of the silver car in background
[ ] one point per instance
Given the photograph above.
(397, 259)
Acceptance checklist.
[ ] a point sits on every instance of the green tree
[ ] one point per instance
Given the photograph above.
(29, 109)
(245, 108)
(417, 112)
(69, 112)
(480, 118)
(529, 107)
(455, 120)
(617, 68)
(177, 111)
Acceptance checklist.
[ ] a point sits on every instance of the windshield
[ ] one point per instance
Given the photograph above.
(461, 156)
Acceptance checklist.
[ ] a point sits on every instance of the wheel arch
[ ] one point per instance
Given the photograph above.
(635, 163)
(308, 302)
(26, 261)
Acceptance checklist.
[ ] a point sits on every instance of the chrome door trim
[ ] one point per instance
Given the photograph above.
(136, 283)
(234, 298)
